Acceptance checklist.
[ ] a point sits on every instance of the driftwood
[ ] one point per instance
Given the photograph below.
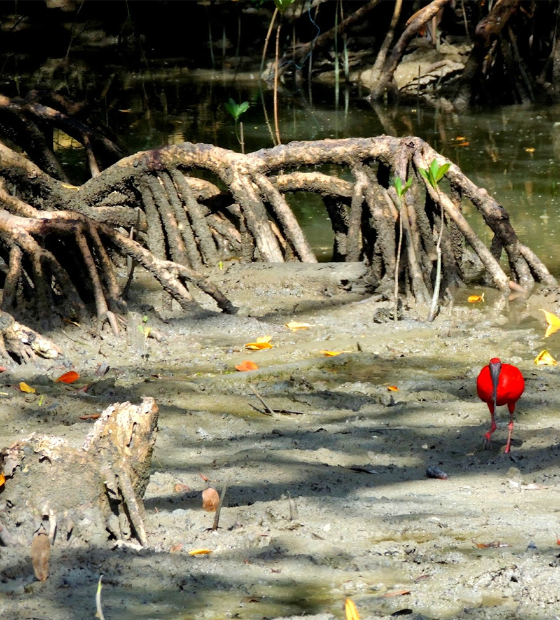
(113, 469)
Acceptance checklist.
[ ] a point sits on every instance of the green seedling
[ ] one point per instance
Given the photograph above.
(236, 110)
(401, 191)
(282, 5)
(433, 175)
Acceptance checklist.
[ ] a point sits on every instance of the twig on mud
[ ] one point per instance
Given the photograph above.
(219, 508)
(98, 600)
(269, 411)
(293, 507)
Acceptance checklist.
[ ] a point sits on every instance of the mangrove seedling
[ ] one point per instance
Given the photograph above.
(236, 110)
(433, 175)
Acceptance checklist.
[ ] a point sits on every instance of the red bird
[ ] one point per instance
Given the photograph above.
(500, 384)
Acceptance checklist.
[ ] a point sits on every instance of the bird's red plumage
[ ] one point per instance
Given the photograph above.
(510, 386)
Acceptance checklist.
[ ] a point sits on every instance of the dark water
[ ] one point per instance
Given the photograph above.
(513, 152)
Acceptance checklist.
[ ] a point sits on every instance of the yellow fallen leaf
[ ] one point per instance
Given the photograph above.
(262, 342)
(333, 353)
(200, 551)
(530, 149)
(294, 325)
(553, 323)
(68, 186)
(545, 359)
(26, 388)
(473, 299)
(351, 610)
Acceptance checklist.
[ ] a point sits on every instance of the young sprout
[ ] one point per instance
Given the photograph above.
(236, 110)
(433, 175)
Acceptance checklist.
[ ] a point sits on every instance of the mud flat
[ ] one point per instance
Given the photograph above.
(329, 499)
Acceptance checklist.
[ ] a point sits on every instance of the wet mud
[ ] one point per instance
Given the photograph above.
(329, 496)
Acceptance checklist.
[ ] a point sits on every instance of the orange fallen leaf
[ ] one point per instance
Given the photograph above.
(205, 478)
(210, 499)
(91, 416)
(294, 325)
(246, 365)
(553, 323)
(26, 388)
(463, 144)
(396, 593)
(545, 359)
(176, 548)
(460, 138)
(333, 353)
(200, 551)
(3, 369)
(262, 342)
(181, 488)
(351, 610)
(557, 539)
(2, 479)
(473, 299)
(68, 377)
(393, 388)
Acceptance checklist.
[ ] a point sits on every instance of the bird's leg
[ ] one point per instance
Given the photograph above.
(510, 431)
(492, 427)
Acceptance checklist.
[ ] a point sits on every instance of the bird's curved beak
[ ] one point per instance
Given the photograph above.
(495, 369)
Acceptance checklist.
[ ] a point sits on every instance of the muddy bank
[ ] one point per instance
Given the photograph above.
(331, 500)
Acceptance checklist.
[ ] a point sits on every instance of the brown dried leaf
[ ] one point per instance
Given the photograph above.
(210, 499)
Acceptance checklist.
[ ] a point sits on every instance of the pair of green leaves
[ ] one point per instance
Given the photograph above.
(282, 5)
(435, 173)
(236, 109)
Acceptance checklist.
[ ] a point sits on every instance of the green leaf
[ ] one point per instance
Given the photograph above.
(424, 173)
(236, 109)
(282, 5)
(400, 189)
(441, 172)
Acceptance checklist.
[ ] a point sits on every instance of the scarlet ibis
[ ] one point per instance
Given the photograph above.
(500, 384)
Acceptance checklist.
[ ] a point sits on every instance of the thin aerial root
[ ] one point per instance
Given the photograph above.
(290, 227)
(355, 219)
(107, 270)
(12, 277)
(100, 301)
(198, 221)
(156, 240)
(174, 241)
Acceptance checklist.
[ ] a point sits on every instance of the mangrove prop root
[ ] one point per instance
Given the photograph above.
(244, 212)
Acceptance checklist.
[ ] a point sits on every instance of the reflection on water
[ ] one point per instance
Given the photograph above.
(513, 152)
